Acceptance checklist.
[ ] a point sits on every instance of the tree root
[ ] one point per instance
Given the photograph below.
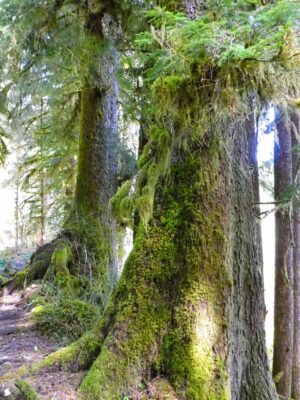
(49, 260)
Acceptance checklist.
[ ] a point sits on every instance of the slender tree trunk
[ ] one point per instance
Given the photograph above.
(42, 194)
(250, 377)
(284, 322)
(42, 234)
(17, 215)
(296, 262)
(89, 231)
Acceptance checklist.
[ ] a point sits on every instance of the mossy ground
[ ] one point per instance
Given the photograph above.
(26, 391)
(65, 320)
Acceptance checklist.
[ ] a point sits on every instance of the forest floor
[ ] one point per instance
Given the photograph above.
(21, 344)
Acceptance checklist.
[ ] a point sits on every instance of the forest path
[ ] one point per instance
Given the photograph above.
(21, 344)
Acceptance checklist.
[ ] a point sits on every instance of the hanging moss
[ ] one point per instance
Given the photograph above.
(122, 205)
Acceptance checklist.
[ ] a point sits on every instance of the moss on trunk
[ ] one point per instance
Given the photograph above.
(169, 315)
(189, 305)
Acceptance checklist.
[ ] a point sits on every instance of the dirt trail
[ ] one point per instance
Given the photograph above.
(21, 344)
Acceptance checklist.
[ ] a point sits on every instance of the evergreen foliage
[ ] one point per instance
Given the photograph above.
(200, 72)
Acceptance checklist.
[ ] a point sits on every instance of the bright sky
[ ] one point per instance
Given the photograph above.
(6, 211)
(265, 153)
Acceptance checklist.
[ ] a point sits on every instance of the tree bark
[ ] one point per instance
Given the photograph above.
(283, 332)
(296, 261)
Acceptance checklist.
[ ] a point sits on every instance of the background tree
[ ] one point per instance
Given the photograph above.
(283, 311)
(296, 258)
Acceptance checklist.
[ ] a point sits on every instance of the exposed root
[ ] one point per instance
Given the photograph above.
(51, 259)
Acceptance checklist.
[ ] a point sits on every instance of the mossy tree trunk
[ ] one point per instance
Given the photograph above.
(296, 262)
(283, 312)
(189, 305)
(90, 228)
(91, 220)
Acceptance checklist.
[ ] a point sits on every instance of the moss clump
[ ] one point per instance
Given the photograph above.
(3, 280)
(68, 319)
(59, 261)
(26, 391)
(20, 279)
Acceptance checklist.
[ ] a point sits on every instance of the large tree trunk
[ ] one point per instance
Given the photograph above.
(296, 262)
(189, 305)
(284, 326)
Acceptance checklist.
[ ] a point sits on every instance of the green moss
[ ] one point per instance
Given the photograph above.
(26, 391)
(60, 259)
(11, 376)
(141, 313)
(122, 205)
(3, 280)
(63, 357)
(153, 163)
(20, 279)
(66, 320)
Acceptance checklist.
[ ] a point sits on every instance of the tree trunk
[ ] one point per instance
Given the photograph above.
(90, 228)
(189, 305)
(91, 219)
(17, 215)
(296, 263)
(283, 332)
(247, 353)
